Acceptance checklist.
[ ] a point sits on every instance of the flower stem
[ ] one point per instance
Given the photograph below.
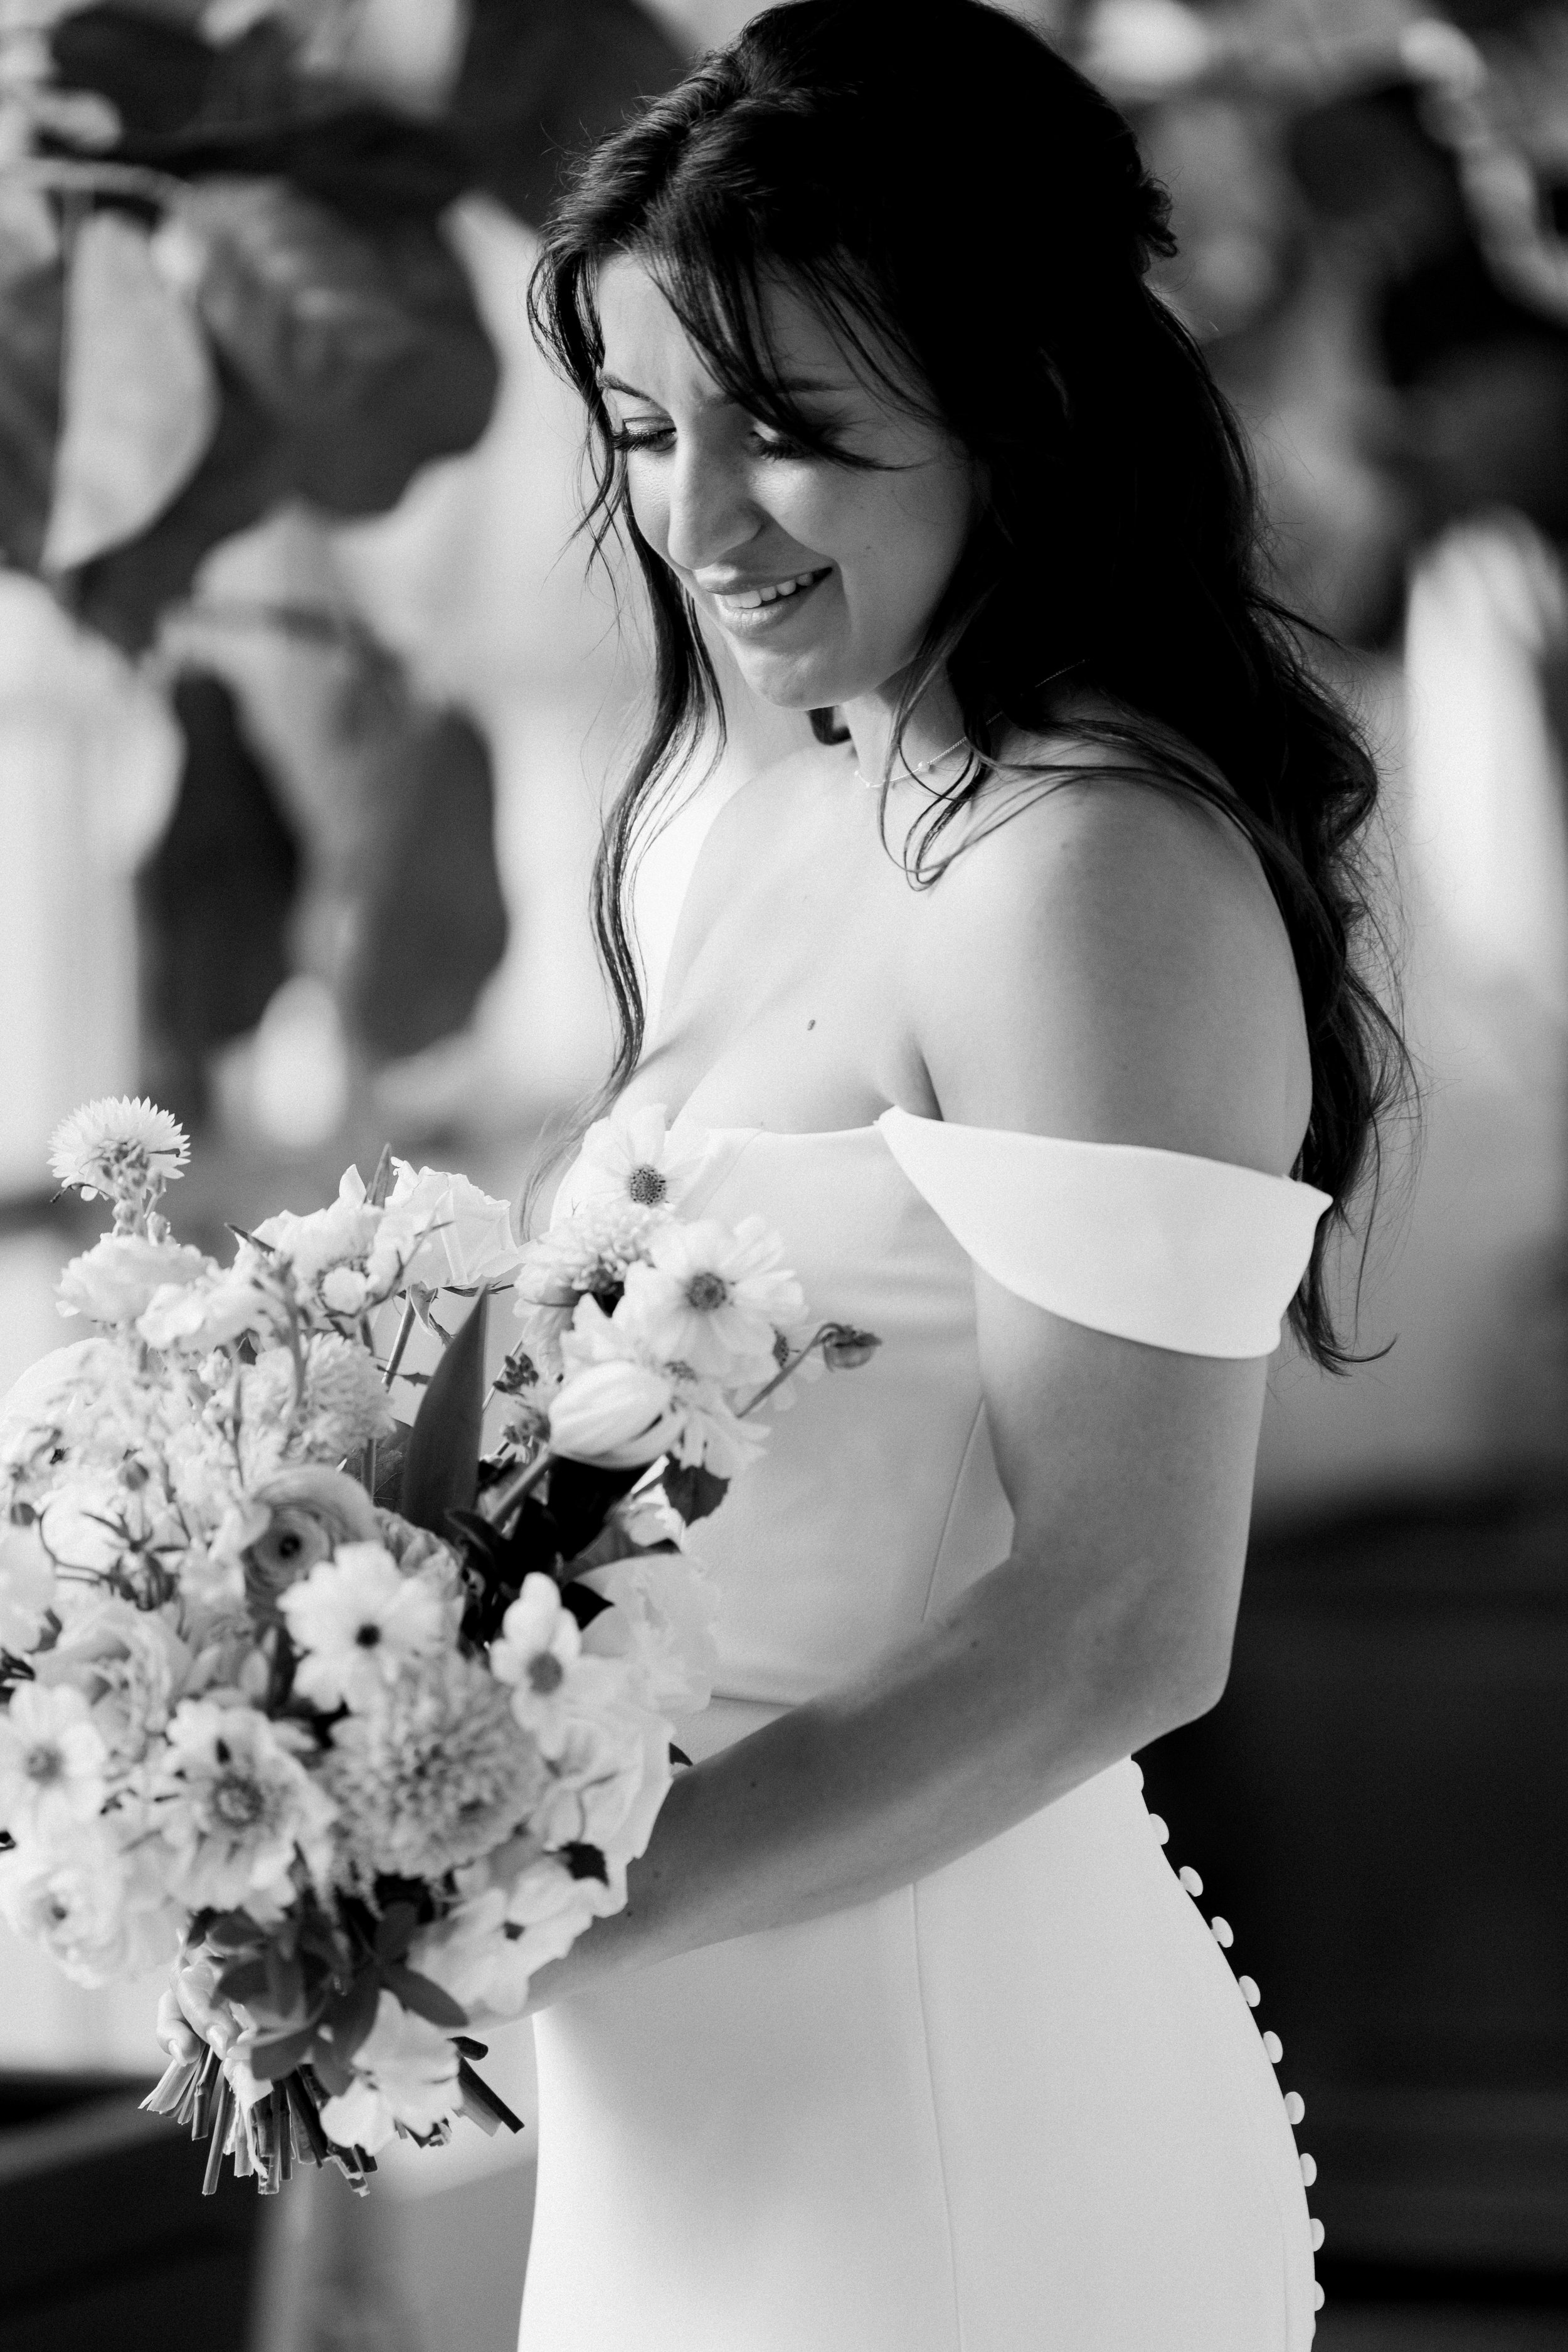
(399, 1346)
(503, 1501)
(791, 1364)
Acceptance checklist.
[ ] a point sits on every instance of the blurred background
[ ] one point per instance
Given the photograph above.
(306, 714)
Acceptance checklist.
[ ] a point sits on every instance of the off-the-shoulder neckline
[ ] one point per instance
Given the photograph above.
(960, 1126)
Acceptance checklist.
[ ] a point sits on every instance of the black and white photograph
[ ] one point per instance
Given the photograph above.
(783, 1176)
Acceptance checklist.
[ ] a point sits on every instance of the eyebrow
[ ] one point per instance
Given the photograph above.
(785, 383)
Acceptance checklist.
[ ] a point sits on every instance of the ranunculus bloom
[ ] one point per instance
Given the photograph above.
(310, 1511)
(52, 1761)
(87, 1905)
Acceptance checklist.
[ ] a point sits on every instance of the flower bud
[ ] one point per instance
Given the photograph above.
(844, 1349)
(616, 1412)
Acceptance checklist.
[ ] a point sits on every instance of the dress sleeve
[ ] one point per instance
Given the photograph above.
(1192, 1255)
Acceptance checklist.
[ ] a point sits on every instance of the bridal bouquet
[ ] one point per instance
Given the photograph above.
(357, 1723)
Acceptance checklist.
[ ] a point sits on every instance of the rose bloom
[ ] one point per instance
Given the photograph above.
(447, 1232)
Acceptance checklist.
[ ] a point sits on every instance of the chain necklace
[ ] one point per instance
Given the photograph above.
(914, 769)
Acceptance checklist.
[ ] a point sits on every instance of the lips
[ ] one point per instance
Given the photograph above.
(763, 602)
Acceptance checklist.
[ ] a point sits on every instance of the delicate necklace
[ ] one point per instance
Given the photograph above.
(914, 769)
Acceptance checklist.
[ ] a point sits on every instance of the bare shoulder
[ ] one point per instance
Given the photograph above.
(1104, 959)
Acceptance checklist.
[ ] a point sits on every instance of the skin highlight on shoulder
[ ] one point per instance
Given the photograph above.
(1107, 962)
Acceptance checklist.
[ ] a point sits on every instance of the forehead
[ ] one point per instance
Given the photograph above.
(646, 344)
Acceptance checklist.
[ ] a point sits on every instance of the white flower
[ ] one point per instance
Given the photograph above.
(406, 2072)
(237, 1806)
(128, 1664)
(52, 1760)
(617, 1413)
(470, 1955)
(346, 1404)
(117, 1279)
(119, 1146)
(449, 1232)
(300, 1515)
(231, 1301)
(360, 1621)
(710, 1297)
(89, 1905)
(538, 1653)
(630, 1157)
(433, 1774)
(609, 1767)
(661, 1618)
(343, 1234)
(26, 1587)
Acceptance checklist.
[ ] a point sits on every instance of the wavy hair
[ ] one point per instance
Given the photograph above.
(974, 223)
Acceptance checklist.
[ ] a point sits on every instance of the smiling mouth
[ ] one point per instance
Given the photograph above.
(741, 603)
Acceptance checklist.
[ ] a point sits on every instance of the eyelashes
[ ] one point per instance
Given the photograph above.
(659, 441)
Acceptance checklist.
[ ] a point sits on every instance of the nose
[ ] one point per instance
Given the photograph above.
(711, 510)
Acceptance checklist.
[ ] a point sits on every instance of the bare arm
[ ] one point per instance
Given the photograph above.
(1129, 1468)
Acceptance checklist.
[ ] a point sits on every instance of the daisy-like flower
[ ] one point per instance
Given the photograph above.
(434, 1773)
(711, 1296)
(52, 1760)
(631, 1156)
(406, 2072)
(236, 1805)
(123, 1147)
(360, 1622)
(537, 1654)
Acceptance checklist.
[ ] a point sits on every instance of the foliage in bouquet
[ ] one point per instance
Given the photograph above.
(356, 1724)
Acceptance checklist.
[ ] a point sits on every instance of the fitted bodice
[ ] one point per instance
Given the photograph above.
(878, 1499)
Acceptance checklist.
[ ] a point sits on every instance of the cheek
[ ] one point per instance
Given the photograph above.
(648, 502)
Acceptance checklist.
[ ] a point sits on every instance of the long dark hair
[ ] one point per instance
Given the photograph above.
(974, 222)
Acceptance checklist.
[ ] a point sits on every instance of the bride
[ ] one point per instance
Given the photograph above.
(1022, 1004)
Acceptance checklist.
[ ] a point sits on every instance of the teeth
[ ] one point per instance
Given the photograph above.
(749, 599)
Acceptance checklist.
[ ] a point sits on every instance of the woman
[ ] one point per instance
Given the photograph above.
(1020, 1004)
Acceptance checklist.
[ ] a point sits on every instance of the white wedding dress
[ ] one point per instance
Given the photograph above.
(1021, 2105)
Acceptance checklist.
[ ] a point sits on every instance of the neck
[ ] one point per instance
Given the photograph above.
(935, 727)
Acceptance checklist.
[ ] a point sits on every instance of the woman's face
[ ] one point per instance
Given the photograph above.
(822, 576)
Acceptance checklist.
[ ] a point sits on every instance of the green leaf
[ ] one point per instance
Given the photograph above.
(140, 398)
(351, 2012)
(394, 1931)
(244, 1980)
(693, 1491)
(361, 338)
(441, 1465)
(245, 472)
(271, 2060)
(426, 1999)
(541, 83)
